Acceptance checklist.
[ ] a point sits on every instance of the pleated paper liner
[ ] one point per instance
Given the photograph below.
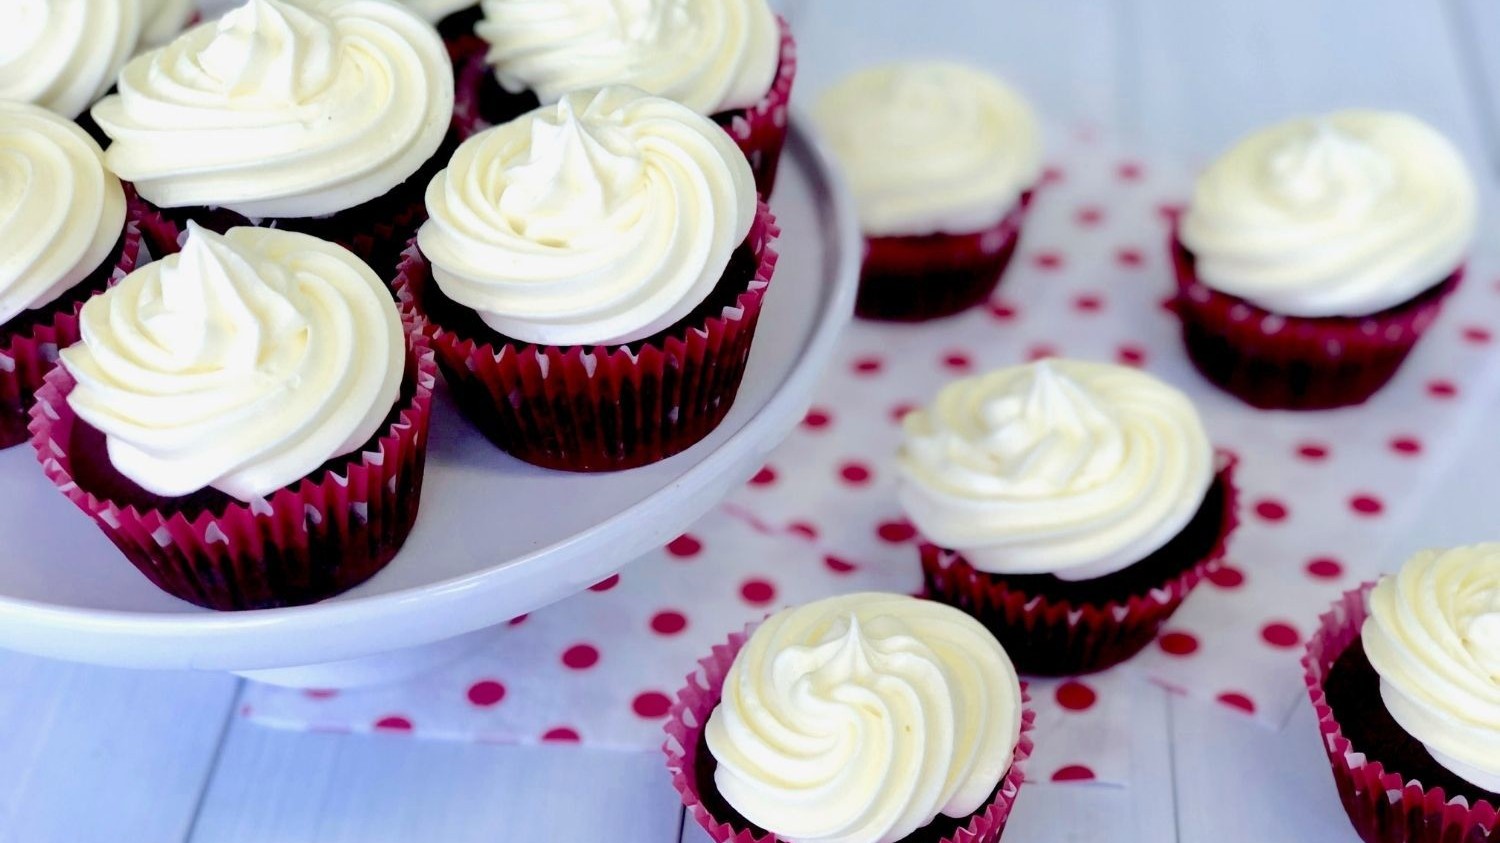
(1383, 805)
(917, 278)
(759, 131)
(1052, 627)
(30, 342)
(316, 538)
(1272, 361)
(600, 408)
(692, 767)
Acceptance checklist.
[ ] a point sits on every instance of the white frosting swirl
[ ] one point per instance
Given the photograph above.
(61, 213)
(282, 108)
(860, 718)
(600, 220)
(1343, 215)
(930, 147)
(433, 11)
(710, 55)
(63, 56)
(242, 363)
(1061, 467)
(162, 20)
(1433, 635)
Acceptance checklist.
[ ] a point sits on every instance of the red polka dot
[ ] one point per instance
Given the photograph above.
(855, 473)
(896, 532)
(668, 622)
(486, 692)
(1440, 388)
(1227, 577)
(817, 418)
(868, 365)
(1053, 175)
(765, 477)
(685, 546)
(606, 584)
(1271, 510)
(1325, 568)
(1088, 303)
(320, 693)
(1406, 445)
(1280, 634)
(1234, 699)
(958, 361)
(518, 620)
(1075, 696)
(1089, 215)
(1178, 643)
(803, 529)
(757, 592)
(1129, 257)
(899, 412)
(1477, 335)
(1003, 311)
(1312, 451)
(1073, 773)
(580, 656)
(1047, 260)
(561, 734)
(1366, 505)
(1170, 211)
(1040, 351)
(651, 705)
(1129, 171)
(1130, 355)
(393, 723)
(839, 566)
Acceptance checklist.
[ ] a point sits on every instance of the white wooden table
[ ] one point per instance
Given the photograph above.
(90, 754)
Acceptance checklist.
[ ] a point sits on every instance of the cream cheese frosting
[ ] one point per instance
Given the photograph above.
(434, 11)
(1433, 635)
(930, 147)
(162, 20)
(1345, 214)
(602, 219)
(64, 56)
(1057, 467)
(861, 718)
(61, 213)
(242, 363)
(282, 108)
(710, 55)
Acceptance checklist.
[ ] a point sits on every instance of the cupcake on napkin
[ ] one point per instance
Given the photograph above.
(731, 60)
(866, 718)
(243, 419)
(1070, 506)
(591, 278)
(324, 117)
(1316, 252)
(942, 160)
(1405, 677)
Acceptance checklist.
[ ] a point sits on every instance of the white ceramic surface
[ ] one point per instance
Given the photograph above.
(496, 538)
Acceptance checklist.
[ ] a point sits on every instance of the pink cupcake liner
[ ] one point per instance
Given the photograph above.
(689, 715)
(1051, 637)
(321, 536)
(28, 355)
(601, 408)
(1382, 805)
(1272, 361)
(914, 279)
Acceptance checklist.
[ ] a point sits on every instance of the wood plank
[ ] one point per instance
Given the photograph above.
(291, 786)
(99, 754)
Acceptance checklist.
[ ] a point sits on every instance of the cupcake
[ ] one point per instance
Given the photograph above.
(455, 21)
(866, 718)
(1316, 252)
(64, 235)
(731, 60)
(1405, 677)
(322, 117)
(1069, 506)
(243, 419)
(942, 160)
(591, 278)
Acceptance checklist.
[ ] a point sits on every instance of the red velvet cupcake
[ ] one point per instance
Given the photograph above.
(589, 315)
(731, 60)
(941, 159)
(754, 762)
(1069, 506)
(1317, 252)
(1407, 690)
(69, 230)
(245, 420)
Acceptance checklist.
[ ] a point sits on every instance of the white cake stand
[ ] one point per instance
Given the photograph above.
(495, 539)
